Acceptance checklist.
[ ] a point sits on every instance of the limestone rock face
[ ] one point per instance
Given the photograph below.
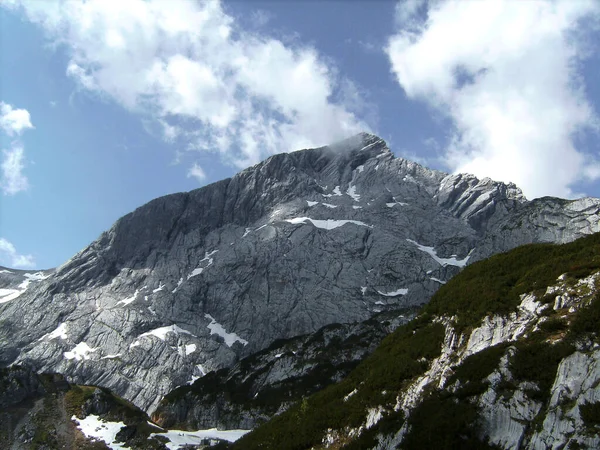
(192, 282)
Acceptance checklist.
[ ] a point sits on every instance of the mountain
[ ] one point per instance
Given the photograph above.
(193, 282)
(505, 356)
(270, 381)
(45, 412)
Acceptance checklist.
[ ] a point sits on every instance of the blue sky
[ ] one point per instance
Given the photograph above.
(106, 105)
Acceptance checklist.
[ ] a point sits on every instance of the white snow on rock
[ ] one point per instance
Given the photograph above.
(217, 328)
(360, 168)
(195, 272)
(179, 438)
(5, 271)
(59, 332)
(6, 295)
(79, 352)
(328, 224)
(352, 193)
(401, 291)
(336, 193)
(93, 427)
(207, 257)
(162, 332)
(311, 203)
(37, 276)
(452, 261)
(178, 284)
(247, 231)
(437, 280)
(363, 290)
(129, 300)
(329, 205)
(159, 288)
(190, 348)
(118, 355)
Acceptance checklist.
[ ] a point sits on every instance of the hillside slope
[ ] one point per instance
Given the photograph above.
(506, 355)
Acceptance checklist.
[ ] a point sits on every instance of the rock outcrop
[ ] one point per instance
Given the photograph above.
(193, 282)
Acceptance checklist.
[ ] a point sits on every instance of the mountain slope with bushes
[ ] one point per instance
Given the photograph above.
(506, 355)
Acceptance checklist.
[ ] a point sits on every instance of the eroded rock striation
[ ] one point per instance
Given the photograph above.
(192, 282)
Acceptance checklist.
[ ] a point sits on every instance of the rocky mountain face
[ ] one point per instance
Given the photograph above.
(193, 282)
(506, 356)
(270, 381)
(45, 412)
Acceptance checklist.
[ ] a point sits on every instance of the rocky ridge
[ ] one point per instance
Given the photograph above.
(193, 282)
(512, 365)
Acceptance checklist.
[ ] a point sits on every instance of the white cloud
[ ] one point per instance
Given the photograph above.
(14, 121)
(197, 172)
(506, 73)
(11, 258)
(210, 84)
(13, 180)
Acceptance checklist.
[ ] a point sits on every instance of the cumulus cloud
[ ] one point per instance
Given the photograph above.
(13, 179)
(13, 122)
(506, 74)
(11, 258)
(210, 84)
(196, 172)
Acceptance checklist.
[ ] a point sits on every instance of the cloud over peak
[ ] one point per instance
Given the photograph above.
(506, 75)
(212, 85)
(13, 122)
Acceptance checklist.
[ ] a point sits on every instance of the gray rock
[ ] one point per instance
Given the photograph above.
(302, 240)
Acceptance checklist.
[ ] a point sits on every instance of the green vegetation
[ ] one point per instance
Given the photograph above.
(587, 320)
(493, 286)
(447, 420)
(443, 422)
(590, 414)
(537, 361)
(402, 355)
(475, 369)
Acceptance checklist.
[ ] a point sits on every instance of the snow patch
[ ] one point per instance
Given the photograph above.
(118, 355)
(360, 168)
(247, 232)
(217, 328)
(6, 295)
(401, 291)
(59, 332)
(363, 290)
(159, 288)
(79, 352)
(452, 261)
(190, 348)
(329, 205)
(129, 300)
(352, 193)
(311, 203)
(207, 257)
(336, 193)
(162, 332)
(178, 284)
(328, 224)
(101, 430)
(179, 438)
(437, 280)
